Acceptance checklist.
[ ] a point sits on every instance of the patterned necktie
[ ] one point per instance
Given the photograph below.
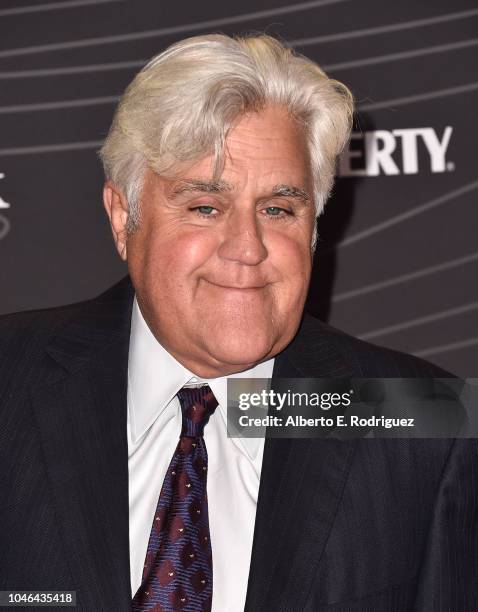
(177, 574)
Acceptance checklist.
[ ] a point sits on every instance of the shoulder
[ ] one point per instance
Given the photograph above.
(28, 330)
(365, 359)
(25, 331)
(26, 337)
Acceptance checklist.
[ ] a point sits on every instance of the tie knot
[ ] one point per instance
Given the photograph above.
(197, 405)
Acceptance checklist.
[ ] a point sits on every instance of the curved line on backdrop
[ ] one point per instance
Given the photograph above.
(435, 316)
(445, 348)
(42, 106)
(422, 97)
(45, 106)
(51, 148)
(385, 29)
(51, 6)
(393, 57)
(43, 72)
(4, 226)
(93, 144)
(404, 278)
(413, 212)
(177, 29)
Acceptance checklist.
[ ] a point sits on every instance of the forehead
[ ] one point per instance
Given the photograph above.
(263, 148)
(266, 142)
(273, 124)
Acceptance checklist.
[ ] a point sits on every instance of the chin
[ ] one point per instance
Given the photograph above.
(239, 349)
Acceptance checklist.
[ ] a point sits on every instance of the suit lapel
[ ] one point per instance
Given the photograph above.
(300, 489)
(82, 423)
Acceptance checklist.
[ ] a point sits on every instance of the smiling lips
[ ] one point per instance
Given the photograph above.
(238, 287)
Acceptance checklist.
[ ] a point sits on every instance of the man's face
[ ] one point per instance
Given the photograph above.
(221, 268)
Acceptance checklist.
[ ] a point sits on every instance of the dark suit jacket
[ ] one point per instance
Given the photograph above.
(355, 525)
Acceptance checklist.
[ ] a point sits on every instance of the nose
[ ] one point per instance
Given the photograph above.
(242, 240)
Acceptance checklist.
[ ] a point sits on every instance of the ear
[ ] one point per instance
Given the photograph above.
(116, 207)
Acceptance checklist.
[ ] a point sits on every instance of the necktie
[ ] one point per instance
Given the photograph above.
(177, 574)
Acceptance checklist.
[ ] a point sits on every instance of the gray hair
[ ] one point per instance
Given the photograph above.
(180, 106)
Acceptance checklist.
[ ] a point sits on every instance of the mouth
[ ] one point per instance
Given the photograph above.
(237, 287)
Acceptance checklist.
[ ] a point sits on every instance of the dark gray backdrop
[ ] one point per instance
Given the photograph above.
(398, 255)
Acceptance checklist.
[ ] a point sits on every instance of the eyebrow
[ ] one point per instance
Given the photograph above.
(289, 191)
(192, 185)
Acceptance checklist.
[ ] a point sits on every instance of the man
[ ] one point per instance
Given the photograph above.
(220, 156)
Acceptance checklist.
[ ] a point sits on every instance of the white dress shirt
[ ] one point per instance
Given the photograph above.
(234, 464)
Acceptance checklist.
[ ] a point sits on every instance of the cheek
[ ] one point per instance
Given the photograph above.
(292, 257)
(174, 261)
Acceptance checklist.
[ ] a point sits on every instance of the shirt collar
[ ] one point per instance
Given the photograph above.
(155, 376)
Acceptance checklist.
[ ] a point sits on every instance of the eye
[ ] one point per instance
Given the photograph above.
(204, 210)
(276, 211)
